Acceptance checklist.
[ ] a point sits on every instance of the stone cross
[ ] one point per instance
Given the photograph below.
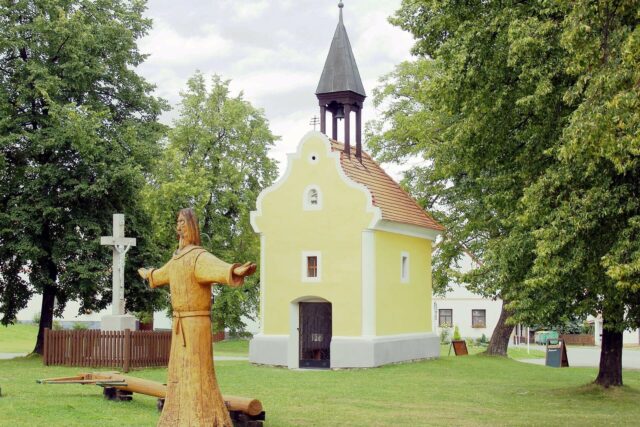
(120, 245)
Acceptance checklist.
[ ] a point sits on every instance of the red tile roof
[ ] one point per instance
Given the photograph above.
(395, 204)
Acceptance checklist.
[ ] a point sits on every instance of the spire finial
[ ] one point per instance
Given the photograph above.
(340, 5)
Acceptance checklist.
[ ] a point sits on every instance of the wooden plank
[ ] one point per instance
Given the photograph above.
(46, 343)
(126, 350)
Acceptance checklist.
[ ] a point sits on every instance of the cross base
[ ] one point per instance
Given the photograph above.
(118, 322)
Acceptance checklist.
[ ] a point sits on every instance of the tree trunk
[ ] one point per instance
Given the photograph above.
(610, 373)
(500, 339)
(46, 316)
(50, 271)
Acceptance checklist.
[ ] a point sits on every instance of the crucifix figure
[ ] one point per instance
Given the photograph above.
(120, 245)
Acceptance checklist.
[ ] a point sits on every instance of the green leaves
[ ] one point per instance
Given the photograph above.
(527, 116)
(216, 162)
(77, 131)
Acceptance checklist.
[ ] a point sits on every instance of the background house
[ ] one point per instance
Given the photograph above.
(473, 314)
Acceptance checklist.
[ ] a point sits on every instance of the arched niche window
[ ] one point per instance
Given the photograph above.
(312, 198)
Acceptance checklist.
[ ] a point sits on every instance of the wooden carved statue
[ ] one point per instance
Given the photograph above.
(193, 397)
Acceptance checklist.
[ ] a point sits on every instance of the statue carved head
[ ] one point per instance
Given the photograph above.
(187, 228)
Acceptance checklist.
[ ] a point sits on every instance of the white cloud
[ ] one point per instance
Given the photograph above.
(171, 48)
(248, 10)
(261, 83)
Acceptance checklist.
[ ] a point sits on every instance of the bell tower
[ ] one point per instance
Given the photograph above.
(340, 91)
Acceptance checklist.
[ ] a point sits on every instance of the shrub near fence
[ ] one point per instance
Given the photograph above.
(121, 349)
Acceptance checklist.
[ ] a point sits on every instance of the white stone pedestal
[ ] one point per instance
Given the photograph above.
(118, 322)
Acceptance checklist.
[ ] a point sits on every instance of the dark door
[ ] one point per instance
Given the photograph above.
(315, 334)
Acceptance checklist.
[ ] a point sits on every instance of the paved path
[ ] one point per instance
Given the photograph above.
(11, 355)
(230, 357)
(590, 357)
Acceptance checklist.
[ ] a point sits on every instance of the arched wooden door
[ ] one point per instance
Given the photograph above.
(315, 334)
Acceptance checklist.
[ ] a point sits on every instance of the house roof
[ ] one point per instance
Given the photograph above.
(340, 71)
(395, 203)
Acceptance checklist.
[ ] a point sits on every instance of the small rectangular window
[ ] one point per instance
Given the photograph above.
(478, 318)
(312, 266)
(404, 267)
(445, 317)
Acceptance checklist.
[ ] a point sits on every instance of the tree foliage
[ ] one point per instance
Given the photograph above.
(215, 161)
(527, 117)
(478, 107)
(585, 209)
(77, 129)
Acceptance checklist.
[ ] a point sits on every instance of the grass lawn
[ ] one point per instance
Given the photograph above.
(18, 338)
(472, 390)
(232, 347)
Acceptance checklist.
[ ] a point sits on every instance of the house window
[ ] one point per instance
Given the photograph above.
(312, 198)
(445, 317)
(311, 266)
(404, 267)
(479, 318)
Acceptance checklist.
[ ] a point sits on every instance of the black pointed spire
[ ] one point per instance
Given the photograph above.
(340, 90)
(340, 71)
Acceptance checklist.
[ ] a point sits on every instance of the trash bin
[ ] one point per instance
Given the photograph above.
(546, 337)
(552, 338)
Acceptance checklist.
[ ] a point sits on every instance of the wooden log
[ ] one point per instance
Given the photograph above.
(246, 405)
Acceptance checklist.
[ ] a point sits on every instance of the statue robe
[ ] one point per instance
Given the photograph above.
(193, 397)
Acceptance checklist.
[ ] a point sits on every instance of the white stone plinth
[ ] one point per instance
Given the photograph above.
(118, 322)
(348, 352)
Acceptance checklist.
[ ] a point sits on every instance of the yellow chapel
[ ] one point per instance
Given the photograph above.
(345, 264)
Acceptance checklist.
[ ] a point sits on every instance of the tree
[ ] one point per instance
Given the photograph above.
(532, 110)
(77, 130)
(215, 161)
(585, 209)
(481, 104)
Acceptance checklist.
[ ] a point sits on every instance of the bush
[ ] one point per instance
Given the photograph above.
(445, 333)
(587, 328)
(80, 326)
(482, 340)
(57, 326)
(144, 316)
(456, 334)
(36, 318)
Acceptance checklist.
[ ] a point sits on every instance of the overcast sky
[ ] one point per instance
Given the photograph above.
(273, 51)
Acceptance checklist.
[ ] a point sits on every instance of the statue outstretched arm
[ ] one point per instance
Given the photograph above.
(155, 276)
(209, 269)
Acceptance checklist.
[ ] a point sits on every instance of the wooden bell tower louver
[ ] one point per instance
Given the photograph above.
(340, 90)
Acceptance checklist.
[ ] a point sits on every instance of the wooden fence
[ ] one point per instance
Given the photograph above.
(578, 339)
(122, 349)
(94, 348)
